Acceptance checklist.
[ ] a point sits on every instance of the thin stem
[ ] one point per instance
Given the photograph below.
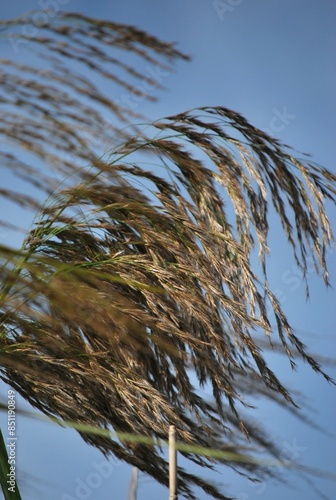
(172, 464)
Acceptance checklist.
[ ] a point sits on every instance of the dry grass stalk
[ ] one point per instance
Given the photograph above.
(136, 277)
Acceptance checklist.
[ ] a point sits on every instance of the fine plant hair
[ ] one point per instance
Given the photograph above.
(135, 287)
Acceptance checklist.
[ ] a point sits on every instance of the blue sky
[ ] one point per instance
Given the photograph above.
(274, 63)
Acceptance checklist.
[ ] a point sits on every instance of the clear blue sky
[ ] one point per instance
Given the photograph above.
(262, 59)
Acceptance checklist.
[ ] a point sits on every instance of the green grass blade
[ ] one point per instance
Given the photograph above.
(4, 471)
